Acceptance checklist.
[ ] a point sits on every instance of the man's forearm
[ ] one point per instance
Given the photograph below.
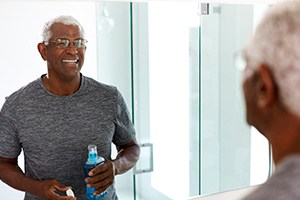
(126, 158)
(11, 174)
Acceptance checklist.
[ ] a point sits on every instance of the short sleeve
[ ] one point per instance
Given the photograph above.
(10, 146)
(124, 131)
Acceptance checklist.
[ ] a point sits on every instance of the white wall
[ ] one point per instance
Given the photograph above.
(21, 25)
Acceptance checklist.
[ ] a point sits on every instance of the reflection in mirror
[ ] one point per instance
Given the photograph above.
(21, 28)
(174, 68)
(166, 68)
(193, 76)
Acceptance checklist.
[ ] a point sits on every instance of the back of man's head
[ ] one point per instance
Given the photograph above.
(276, 44)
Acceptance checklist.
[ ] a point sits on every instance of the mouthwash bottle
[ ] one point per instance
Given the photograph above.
(92, 161)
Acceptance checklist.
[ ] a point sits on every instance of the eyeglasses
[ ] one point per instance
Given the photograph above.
(239, 61)
(64, 43)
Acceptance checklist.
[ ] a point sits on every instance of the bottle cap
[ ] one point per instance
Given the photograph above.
(93, 155)
(70, 193)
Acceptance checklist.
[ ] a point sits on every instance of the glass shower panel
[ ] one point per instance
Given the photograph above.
(166, 68)
(226, 154)
(189, 119)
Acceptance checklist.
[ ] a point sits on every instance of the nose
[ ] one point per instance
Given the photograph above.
(71, 49)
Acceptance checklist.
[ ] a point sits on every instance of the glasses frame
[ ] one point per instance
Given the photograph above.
(239, 60)
(64, 43)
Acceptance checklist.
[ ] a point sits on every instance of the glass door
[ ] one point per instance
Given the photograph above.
(166, 98)
(188, 101)
(229, 156)
(173, 62)
(225, 135)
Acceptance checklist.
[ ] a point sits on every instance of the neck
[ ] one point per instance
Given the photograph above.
(61, 87)
(285, 138)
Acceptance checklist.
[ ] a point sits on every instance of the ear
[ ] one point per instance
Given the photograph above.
(265, 87)
(43, 51)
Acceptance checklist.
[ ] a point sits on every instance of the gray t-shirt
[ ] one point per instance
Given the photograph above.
(284, 184)
(55, 131)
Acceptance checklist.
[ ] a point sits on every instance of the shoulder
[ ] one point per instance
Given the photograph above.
(283, 184)
(23, 93)
(96, 86)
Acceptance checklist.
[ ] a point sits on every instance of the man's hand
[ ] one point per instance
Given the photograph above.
(101, 177)
(11, 174)
(49, 189)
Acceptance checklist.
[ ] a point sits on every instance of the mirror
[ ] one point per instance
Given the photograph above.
(173, 62)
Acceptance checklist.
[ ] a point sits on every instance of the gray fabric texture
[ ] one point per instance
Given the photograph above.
(55, 131)
(284, 184)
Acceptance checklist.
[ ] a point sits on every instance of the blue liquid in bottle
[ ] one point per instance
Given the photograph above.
(93, 161)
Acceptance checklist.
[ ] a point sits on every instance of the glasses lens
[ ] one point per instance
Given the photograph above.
(62, 43)
(239, 61)
(79, 43)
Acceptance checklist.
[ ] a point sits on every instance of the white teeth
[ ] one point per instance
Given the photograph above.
(70, 61)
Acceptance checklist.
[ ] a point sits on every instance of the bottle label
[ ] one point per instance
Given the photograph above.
(89, 191)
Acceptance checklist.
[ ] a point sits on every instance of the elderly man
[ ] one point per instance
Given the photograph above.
(54, 118)
(271, 89)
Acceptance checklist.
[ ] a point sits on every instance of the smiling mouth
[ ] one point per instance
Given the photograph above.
(71, 61)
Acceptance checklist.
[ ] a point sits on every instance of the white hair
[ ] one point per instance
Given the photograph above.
(67, 20)
(276, 43)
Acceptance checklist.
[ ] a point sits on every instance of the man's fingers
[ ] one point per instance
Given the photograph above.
(61, 187)
(99, 169)
(100, 177)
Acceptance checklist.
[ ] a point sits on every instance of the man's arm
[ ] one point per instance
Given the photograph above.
(11, 174)
(103, 176)
(127, 157)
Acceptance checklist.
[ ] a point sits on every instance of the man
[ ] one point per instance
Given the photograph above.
(271, 89)
(54, 118)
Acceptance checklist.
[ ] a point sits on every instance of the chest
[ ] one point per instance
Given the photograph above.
(54, 126)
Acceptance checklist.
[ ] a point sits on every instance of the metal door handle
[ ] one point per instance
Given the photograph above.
(136, 169)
